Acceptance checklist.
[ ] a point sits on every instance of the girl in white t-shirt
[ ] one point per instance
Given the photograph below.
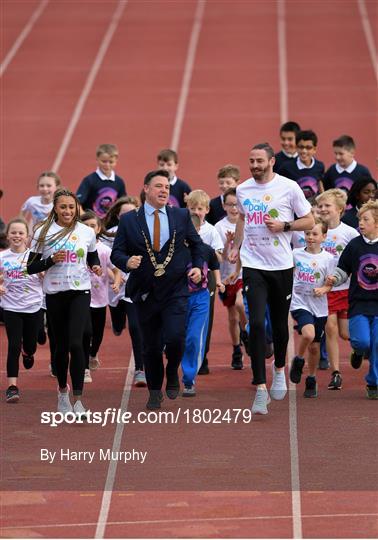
(63, 248)
(36, 208)
(121, 308)
(331, 206)
(100, 285)
(21, 300)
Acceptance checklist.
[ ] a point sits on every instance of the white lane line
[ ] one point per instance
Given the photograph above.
(191, 520)
(282, 60)
(112, 469)
(368, 35)
(89, 83)
(24, 34)
(180, 112)
(294, 454)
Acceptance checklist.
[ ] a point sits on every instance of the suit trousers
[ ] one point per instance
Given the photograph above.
(162, 324)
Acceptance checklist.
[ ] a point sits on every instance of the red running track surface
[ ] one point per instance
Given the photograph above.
(199, 480)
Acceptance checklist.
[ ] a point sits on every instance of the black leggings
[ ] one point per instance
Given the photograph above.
(68, 312)
(212, 288)
(22, 333)
(94, 333)
(126, 310)
(272, 287)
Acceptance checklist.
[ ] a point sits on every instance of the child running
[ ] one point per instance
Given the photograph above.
(121, 308)
(36, 208)
(331, 205)
(309, 308)
(62, 247)
(360, 261)
(197, 318)
(110, 278)
(21, 300)
(232, 297)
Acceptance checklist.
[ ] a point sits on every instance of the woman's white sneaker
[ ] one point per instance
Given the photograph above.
(278, 389)
(87, 376)
(261, 402)
(64, 403)
(79, 410)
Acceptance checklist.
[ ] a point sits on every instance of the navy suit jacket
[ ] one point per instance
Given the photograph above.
(129, 241)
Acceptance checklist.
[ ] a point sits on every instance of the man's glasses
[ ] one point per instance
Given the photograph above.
(231, 205)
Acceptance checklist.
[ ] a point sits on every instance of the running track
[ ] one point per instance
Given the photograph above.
(209, 78)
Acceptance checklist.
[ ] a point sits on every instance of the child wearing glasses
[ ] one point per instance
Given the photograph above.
(307, 171)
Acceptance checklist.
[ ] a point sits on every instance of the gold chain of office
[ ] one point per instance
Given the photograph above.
(160, 267)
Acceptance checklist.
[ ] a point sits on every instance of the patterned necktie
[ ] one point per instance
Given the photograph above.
(156, 243)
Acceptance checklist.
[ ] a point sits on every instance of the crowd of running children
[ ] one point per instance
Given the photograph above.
(56, 273)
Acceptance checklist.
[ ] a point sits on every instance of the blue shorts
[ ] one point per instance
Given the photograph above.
(303, 317)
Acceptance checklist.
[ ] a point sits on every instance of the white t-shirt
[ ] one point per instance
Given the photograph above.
(114, 298)
(223, 226)
(210, 236)
(73, 273)
(23, 292)
(100, 284)
(37, 209)
(298, 239)
(335, 243)
(310, 272)
(280, 199)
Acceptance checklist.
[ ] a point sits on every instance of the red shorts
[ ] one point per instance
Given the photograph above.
(338, 303)
(229, 296)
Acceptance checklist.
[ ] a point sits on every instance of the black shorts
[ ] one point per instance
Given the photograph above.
(303, 317)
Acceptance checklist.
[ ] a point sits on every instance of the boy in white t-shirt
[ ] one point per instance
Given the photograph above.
(268, 204)
(198, 203)
(308, 308)
(232, 297)
(331, 205)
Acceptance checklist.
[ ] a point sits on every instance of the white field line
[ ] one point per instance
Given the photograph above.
(282, 60)
(368, 35)
(191, 520)
(294, 454)
(23, 35)
(112, 469)
(88, 84)
(188, 70)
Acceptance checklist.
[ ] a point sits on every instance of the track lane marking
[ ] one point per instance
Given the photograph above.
(88, 84)
(22, 36)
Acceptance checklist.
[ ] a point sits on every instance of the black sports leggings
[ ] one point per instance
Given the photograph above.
(94, 333)
(22, 332)
(272, 287)
(126, 310)
(68, 312)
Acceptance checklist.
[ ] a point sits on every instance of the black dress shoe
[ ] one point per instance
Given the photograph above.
(155, 399)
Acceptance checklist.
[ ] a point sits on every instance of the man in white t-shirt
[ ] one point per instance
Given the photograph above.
(268, 205)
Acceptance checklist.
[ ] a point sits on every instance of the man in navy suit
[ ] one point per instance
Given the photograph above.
(155, 245)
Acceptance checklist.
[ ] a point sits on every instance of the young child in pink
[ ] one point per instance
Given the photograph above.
(111, 277)
(21, 300)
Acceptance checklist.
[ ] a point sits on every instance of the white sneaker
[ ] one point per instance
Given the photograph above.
(140, 378)
(261, 402)
(51, 372)
(79, 410)
(189, 391)
(94, 362)
(87, 376)
(278, 389)
(64, 403)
